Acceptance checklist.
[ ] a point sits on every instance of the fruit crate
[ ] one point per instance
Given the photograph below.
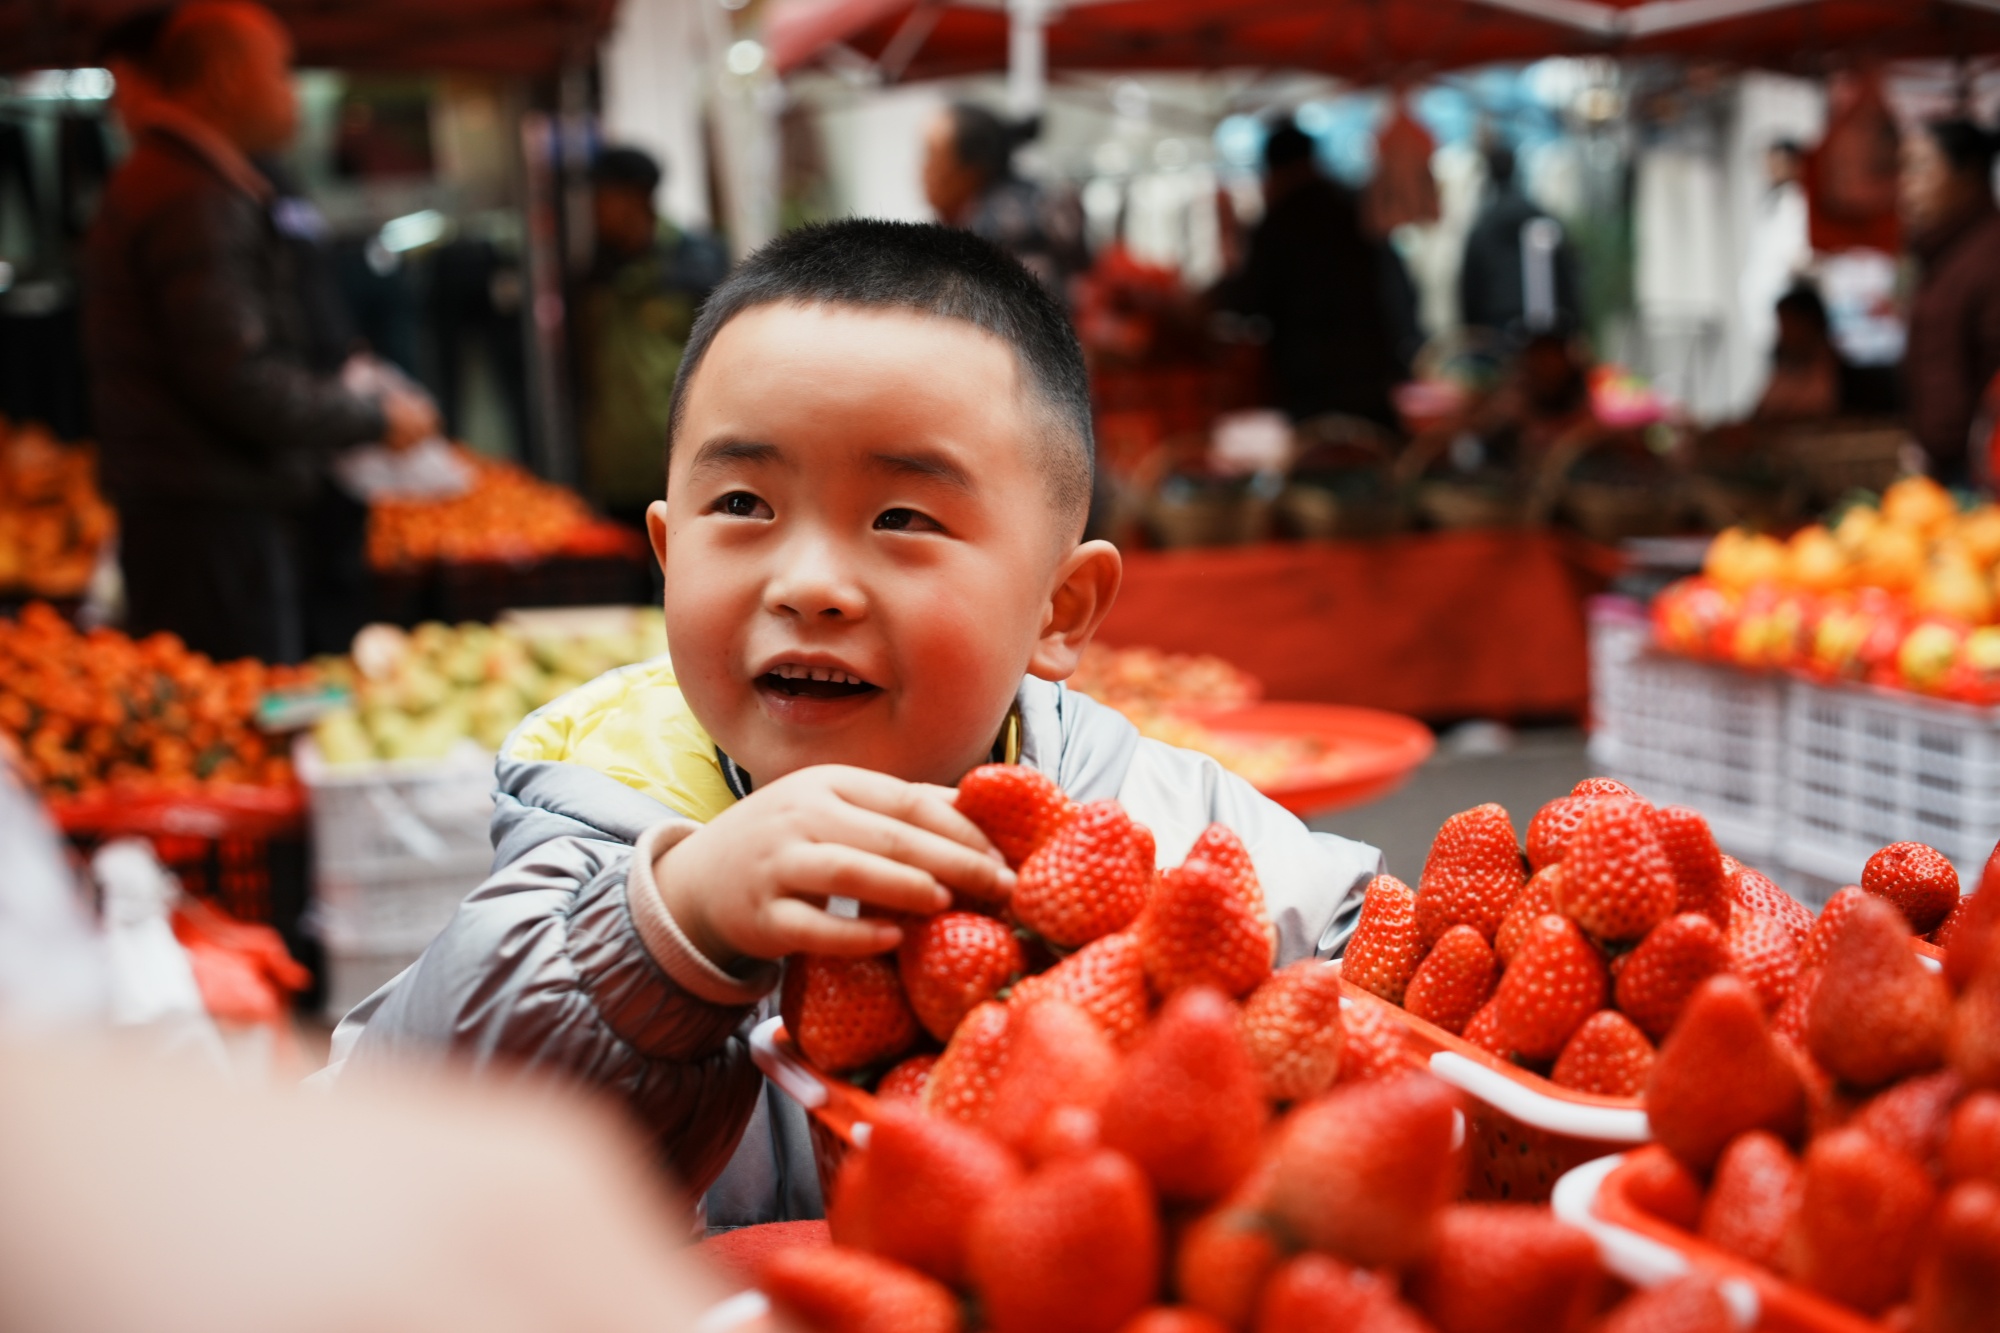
(1872, 766)
(1522, 1131)
(397, 846)
(1648, 1251)
(1690, 733)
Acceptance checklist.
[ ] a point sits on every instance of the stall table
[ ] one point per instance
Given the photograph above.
(1437, 625)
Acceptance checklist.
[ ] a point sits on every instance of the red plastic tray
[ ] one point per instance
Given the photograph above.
(214, 812)
(1371, 751)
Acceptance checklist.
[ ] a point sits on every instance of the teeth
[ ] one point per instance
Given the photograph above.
(792, 671)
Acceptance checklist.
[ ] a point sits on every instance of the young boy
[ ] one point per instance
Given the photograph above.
(879, 464)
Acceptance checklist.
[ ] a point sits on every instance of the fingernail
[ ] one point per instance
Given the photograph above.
(1006, 878)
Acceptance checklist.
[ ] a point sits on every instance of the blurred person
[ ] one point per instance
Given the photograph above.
(1779, 249)
(970, 182)
(1318, 280)
(215, 427)
(1494, 279)
(647, 282)
(1810, 379)
(1951, 227)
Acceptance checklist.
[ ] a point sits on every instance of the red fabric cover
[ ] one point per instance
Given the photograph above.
(739, 1255)
(1444, 625)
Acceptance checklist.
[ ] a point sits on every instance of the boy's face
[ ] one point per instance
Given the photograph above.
(861, 554)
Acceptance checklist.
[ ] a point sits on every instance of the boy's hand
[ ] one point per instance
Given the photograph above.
(755, 880)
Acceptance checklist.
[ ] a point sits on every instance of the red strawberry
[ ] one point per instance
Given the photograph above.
(1763, 954)
(1316, 1293)
(1550, 831)
(1224, 1258)
(1454, 979)
(1189, 1106)
(1753, 1198)
(1975, 1030)
(1173, 1319)
(1675, 957)
(961, 1083)
(1617, 882)
(1913, 1116)
(1483, 1031)
(1471, 875)
(846, 1013)
(1105, 978)
(1199, 931)
(1383, 952)
(1692, 1303)
(1602, 787)
(1658, 1185)
(923, 1179)
(1879, 1013)
(1089, 879)
(1972, 938)
(1375, 1043)
(1557, 980)
(1813, 952)
(1958, 1279)
(1699, 882)
(1948, 927)
(1056, 1056)
(1917, 879)
(1607, 1057)
(1292, 1030)
(1720, 1074)
(1498, 1267)
(1789, 1023)
(1972, 1140)
(1363, 1171)
(1015, 807)
(1073, 1248)
(1860, 1222)
(1066, 1131)
(1536, 900)
(952, 961)
(1219, 844)
(833, 1289)
(907, 1081)
(1752, 889)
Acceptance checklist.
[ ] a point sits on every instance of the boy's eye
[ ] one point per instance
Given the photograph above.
(742, 504)
(906, 520)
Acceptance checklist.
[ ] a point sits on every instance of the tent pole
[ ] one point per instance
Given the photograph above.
(1027, 57)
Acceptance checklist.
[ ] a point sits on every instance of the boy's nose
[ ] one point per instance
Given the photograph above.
(813, 585)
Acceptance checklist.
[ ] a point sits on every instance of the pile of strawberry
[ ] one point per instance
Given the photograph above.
(1856, 1153)
(1577, 962)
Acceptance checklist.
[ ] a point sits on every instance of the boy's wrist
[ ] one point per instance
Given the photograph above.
(683, 904)
(738, 981)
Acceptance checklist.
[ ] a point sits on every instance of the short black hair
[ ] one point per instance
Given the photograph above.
(1804, 301)
(1286, 144)
(933, 270)
(626, 167)
(1969, 148)
(985, 143)
(135, 38)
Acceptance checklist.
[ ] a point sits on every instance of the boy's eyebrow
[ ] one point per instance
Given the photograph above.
(926, 464)
(729, 449)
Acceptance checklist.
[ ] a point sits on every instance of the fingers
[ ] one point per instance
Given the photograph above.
(947, 862)
(842, 870)
(803, 928)
(920, 803)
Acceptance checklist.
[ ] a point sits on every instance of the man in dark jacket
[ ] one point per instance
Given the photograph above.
(215, 429)
(1317, 279)
(1954, 231)
(1518, 277)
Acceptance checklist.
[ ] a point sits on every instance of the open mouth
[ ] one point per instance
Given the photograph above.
(803, 682)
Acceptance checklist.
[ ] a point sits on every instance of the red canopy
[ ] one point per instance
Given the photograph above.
(499, 36)
(1369, 38)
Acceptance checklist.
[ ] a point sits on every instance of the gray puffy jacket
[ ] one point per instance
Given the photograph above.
(565, 959)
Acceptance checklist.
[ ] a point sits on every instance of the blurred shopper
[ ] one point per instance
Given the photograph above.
(647, 283)
(1810, 379)
(1779, 248)
(1519, 274)
(1953, 230)
(1317, 279)
(215, 427)
(969, 180)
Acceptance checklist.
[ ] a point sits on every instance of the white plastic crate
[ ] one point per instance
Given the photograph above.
(1870, 767)
(396, 847)
(1688, 733)
(352, 975)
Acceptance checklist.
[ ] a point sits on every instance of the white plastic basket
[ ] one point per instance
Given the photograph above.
(1870, 767)
(353, 974)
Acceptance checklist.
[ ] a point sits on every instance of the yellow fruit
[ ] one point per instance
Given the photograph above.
(1920, 504)
(1927, 654)
(1953, 586)
(1738, 559)
(1892, 558)
(1982, 650)
(1855, 528)
(341, 739)
(1979, 533)
(1814, 560)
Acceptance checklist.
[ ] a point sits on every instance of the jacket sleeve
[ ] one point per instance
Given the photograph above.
(215, 322)
(548, 966)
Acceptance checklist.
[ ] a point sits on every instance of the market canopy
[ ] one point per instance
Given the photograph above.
(1365, 38)
(499, 36)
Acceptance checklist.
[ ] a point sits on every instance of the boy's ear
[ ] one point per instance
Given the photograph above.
(656, 531)
(1085, 587)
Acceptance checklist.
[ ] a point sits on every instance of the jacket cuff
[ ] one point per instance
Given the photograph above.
(669, 945)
